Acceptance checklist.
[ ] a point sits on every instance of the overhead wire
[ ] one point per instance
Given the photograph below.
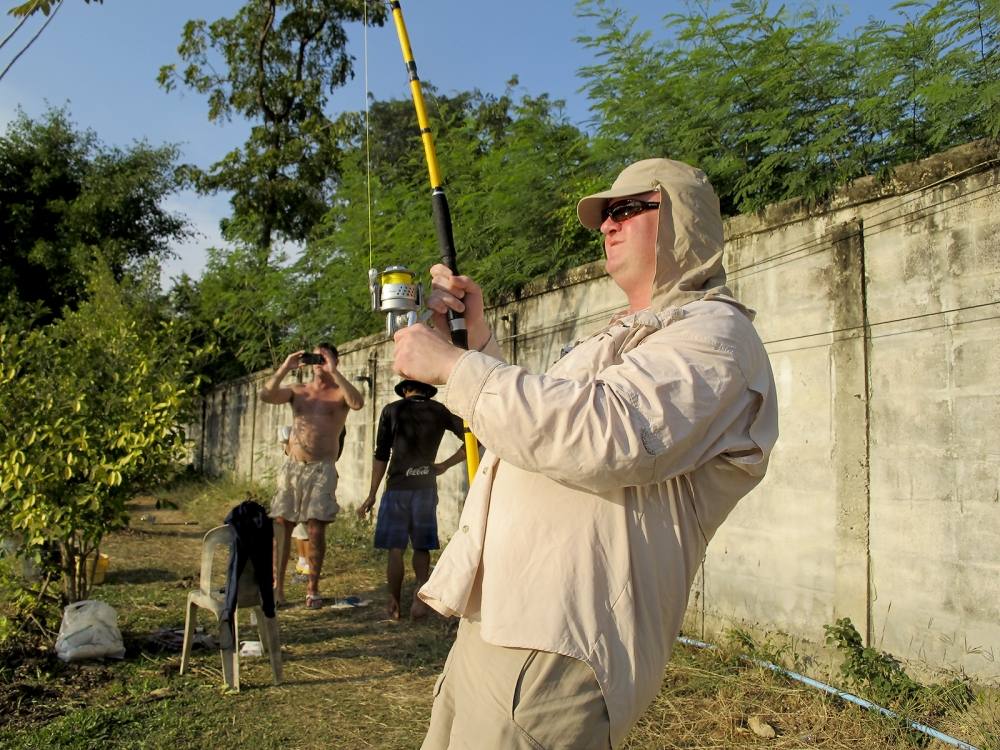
(858, 329)
(24, 20)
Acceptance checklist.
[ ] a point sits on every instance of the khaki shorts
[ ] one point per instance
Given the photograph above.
(306, 490)
(494, 697)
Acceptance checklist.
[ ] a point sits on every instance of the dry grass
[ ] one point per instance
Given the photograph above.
(356, 680)
(707, 701)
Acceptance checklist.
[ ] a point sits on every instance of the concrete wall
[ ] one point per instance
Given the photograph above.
(881, 314)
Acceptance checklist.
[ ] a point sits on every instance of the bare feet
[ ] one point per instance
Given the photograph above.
(418, 610)
(313, 601)
(392, 609)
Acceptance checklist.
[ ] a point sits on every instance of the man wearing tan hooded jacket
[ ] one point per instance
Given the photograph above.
(579, 539)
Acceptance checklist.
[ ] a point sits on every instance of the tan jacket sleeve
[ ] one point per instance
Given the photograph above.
(679, 398)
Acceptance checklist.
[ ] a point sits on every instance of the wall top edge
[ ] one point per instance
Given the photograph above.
(960, 161)
(560, 280)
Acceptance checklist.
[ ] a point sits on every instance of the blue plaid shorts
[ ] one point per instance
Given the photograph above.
(407, 515)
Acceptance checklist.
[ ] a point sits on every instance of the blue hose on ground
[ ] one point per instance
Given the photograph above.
(930, 731)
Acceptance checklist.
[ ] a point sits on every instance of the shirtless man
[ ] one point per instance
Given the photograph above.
(307, 482)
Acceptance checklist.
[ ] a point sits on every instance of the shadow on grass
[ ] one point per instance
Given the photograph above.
(140, 575)
(174, 531)
(408, 645)
(345, 680)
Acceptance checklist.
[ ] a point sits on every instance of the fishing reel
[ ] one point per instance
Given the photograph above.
(396, 293)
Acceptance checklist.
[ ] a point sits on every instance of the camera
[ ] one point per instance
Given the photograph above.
(311, 358)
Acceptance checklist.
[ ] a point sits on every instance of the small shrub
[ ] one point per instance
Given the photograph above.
(767, 650)
(880, 677)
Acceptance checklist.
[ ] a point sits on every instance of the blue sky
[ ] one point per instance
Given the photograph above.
(101, 61)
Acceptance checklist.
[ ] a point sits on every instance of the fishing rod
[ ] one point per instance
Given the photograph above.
(442, 219)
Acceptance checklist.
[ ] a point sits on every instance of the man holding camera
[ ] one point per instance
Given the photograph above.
(604, 478)
(307, 482)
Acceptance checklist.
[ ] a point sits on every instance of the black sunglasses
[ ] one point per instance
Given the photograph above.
(627, 209)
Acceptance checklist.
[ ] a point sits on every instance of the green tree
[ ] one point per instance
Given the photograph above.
(65, 199)
(760, 100)
(240, 307)
(519, 169)
(773, 104)
(512, 168)
(274, 63)
(935, 76)
(780, 104)
(91, 409)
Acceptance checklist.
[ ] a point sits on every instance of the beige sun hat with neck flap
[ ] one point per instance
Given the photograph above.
(690, 234)
(640, 177)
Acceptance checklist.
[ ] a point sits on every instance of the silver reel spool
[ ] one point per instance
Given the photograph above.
(396, 293)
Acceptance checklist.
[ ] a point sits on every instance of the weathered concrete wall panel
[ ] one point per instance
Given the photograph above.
(929, 296)
(933, 291)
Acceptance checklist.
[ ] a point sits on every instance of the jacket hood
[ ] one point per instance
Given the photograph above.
(689, 239)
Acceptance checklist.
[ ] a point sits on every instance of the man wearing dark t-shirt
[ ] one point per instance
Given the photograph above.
(409, 434)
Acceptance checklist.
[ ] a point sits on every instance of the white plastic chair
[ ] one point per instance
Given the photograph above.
(248, 596)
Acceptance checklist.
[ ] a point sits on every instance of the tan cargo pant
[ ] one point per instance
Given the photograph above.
(494, 697)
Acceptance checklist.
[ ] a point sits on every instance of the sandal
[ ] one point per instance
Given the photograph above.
(313, 601)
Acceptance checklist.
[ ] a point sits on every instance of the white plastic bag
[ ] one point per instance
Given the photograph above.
(89, 630)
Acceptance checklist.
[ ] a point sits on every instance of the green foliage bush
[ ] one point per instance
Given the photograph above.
(781, 103)
(877, 674)
(880, 677)
(90, 411)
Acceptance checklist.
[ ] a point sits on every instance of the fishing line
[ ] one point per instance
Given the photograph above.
(368, 140)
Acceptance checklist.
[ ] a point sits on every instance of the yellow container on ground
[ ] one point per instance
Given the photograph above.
(101, 569)
(98, 571)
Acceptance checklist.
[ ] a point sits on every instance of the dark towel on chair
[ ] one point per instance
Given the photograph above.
(253, 537)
